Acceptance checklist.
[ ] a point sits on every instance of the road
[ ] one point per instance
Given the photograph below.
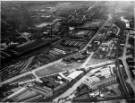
(78, 83)
(109, 18)
(123, 58)
(74, 87)
(85, 48)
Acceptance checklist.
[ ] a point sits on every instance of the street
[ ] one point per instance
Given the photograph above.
(74, 87)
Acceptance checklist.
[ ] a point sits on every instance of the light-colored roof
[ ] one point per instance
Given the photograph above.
(74, 74)
(42, 24)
